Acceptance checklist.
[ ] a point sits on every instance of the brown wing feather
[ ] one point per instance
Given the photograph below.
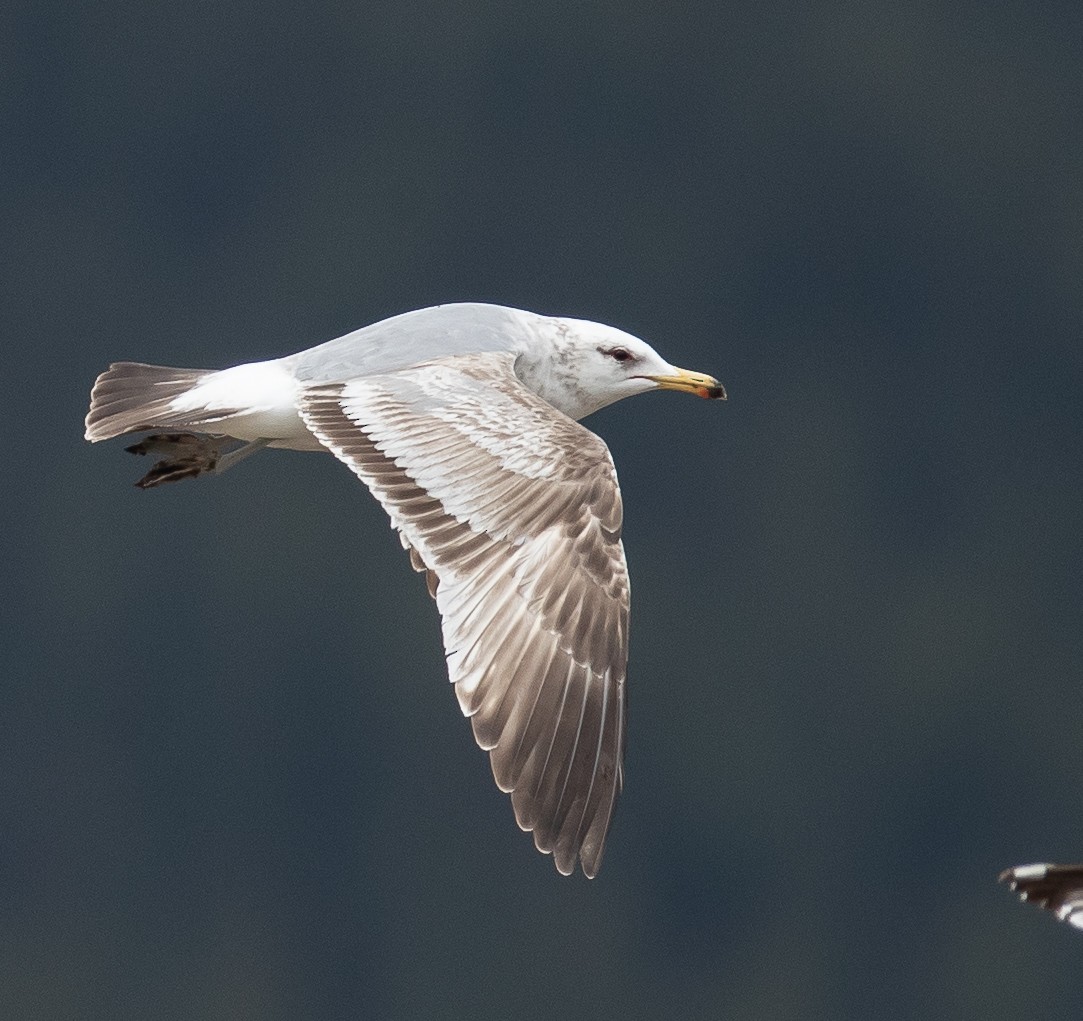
(1057, 888)
(513, 512)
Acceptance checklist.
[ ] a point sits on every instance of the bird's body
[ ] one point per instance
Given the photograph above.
(461, 421)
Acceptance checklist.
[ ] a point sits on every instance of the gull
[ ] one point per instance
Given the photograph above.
(462, 420)
(1057, 888)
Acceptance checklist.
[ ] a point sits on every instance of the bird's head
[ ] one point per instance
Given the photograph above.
(589, 365)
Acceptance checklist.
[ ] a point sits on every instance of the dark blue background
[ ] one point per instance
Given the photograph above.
(234, 782)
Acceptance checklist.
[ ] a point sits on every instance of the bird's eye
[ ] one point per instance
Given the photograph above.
(620, 354)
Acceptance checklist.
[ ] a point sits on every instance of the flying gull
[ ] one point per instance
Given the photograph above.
(1057, 888)
(462, 420)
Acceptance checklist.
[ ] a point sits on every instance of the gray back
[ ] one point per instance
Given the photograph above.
(395, 343)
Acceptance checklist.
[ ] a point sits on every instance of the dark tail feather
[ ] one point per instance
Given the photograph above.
(130, 397)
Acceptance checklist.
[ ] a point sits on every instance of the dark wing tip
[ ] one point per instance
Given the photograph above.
(1057, 888)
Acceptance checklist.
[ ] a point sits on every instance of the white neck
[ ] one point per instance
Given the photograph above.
(547, 365)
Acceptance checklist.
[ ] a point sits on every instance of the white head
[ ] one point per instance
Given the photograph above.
(580, 367)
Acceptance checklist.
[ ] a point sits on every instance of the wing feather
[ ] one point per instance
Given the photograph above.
(513, 512)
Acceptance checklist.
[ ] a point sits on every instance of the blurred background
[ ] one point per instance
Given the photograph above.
(234, 782)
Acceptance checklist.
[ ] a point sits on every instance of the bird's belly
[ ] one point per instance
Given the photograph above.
(282, 426)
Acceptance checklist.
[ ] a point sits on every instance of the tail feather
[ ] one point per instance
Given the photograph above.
(131, 396)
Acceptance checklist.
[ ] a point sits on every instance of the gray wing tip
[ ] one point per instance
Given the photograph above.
(587, 843)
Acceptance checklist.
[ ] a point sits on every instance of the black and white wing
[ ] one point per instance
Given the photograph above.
(1057, 888)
